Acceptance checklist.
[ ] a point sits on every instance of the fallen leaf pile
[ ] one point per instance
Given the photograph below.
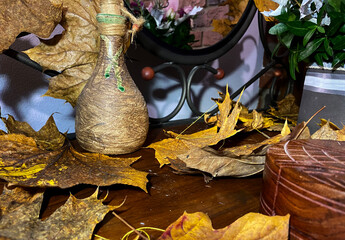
(250, 226)
(76, 219)
(18, 16)
(47, 158)
(188, 153)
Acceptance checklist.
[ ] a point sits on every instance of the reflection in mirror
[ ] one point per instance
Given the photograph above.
(189, 24)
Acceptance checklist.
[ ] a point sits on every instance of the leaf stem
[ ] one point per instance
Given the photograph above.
(297, 3)
(128, 225)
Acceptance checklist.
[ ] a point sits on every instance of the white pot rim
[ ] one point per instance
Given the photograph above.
(326, 66)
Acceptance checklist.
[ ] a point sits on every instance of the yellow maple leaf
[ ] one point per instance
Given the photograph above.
(251, 226)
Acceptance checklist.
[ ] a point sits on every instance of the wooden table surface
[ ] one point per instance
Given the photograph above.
(169, 194)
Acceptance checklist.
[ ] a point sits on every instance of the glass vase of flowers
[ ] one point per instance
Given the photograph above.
(168, 22)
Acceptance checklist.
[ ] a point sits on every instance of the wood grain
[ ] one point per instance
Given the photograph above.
(306, 178)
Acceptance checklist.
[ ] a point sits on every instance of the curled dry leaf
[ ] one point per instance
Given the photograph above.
(218, 165)
(254, 120)
(74, 54)
(251, 226)
(39, 17)
(179, 143)
(20, 210)
(23, 162)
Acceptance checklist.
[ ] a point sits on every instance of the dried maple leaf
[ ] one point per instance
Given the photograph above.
(48, 137)
(180, 143)
(326, 132)
(76, 219)
(39, 17)
(332, 125)
(189, 153)
(266, 5)
(341, 134)
(254, 120)
(247, 149)
(286, 108)
(222, 26)
(251, 226)
(74, 54)
(23, 162)
(227, 121)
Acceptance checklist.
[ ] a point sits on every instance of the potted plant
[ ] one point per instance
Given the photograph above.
(313, 32)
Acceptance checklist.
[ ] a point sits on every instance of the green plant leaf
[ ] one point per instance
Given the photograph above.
(334, 27)
(300, 28)
(342, 29)
(338, 42)
(310, 48)
(293, 64)
(278, 29)
(286, 39)
(286, 17)
(338, 59)
(321, 14)
(334, 3)
(308, 36)
(319, 59)
(321, 29)
(327, 47)
(276, 49)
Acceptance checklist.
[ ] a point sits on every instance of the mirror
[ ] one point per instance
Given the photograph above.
(201, 43)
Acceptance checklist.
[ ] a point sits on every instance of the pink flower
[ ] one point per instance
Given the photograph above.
(174, 4)
(150, 7)
(187, 9)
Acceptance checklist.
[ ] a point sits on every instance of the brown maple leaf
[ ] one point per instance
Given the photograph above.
(74, 53)
(250, 226)
(20, 210)
(23, 162)
(39, 17)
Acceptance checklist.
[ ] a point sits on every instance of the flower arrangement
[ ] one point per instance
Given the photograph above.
(311, 30)
(168, 22)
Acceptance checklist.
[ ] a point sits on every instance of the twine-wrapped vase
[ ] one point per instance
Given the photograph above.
(111, 113)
